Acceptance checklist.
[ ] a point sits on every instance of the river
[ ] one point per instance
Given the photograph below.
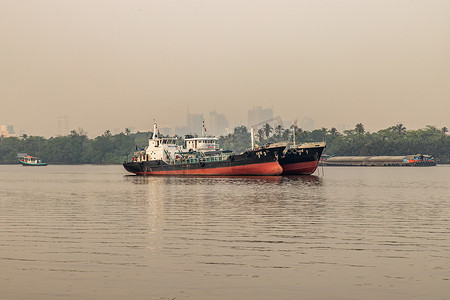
(95, 232)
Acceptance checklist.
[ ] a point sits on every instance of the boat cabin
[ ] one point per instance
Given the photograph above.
(418, 158)
(31, 159)
(200, 144)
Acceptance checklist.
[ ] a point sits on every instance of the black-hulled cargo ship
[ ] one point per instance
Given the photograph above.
(201, 156)
(301, 160)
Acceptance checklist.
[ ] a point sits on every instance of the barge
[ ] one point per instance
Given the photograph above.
(417, 160)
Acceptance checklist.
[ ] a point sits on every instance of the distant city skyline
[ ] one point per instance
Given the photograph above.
(216, 124)
(7, 131)
(116, 64)
(64, 125)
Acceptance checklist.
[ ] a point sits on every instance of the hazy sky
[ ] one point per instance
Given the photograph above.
(115, 64)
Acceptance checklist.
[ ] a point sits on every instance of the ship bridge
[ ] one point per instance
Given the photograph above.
(201, 143)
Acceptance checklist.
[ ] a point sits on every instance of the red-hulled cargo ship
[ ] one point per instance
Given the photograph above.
(301, 160)
(201, 156)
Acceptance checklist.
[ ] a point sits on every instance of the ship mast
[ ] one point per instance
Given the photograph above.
(203, 129)
(155, 131)
(252, 134)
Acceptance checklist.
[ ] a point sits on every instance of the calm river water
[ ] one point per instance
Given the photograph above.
(94, 232)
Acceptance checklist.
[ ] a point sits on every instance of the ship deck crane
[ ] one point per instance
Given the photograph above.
(277, 118)
(252, 127)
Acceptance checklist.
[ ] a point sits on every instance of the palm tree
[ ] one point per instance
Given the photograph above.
(267, 129)
(81, 131)
(127, 131)
(399, 129)
(240, 130)
(444, 130)
(279, 130)
(286, 135)
(333, 131)
(260, 134)
(359, 128)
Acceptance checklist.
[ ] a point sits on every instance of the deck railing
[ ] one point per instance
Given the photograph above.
(195, 160)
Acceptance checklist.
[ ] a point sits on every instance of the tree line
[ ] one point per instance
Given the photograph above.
(77, 148)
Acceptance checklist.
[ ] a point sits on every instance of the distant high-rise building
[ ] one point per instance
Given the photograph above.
(62, 125)
(257, 115)
(7, 131)
(307, 124)
(217, 124)
(167, 131)
(195, 123)
(181, 130)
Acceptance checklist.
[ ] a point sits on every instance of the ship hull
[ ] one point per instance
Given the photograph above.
(33, 164)
(301, 161)
(256, 162)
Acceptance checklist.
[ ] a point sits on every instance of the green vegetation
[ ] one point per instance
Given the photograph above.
(77, 148)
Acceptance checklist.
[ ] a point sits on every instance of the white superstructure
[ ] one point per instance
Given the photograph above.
(201, 144)
(161, 148)
(167, 150)
(158, 148)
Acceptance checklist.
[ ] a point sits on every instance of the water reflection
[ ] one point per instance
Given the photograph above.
(188, 180)
(354, 233)
(222, 221)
